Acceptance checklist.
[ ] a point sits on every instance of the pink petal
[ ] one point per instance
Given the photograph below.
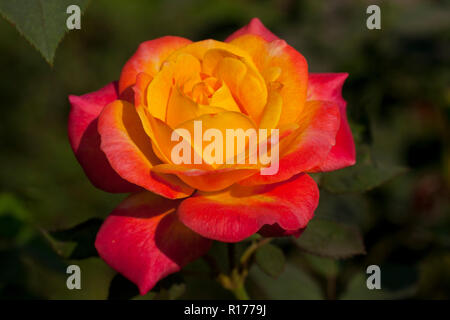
(85, 140)
(328, 86)
(144, 240)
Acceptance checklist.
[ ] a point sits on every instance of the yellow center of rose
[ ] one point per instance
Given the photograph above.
(246, 86)
(219, 85)
(211, 77)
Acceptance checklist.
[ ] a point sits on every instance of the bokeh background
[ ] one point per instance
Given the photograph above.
(398, 97)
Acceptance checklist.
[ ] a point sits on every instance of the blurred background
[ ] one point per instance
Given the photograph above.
(397, 197)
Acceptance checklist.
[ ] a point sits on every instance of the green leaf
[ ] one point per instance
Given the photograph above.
(41, 22)
(357, 290)
(11, 205)
(327, 238)
(293, 283)
(270, 259)
(326, 267)
(363, 176)
(84, 237)
(359, 178)
(14, 220)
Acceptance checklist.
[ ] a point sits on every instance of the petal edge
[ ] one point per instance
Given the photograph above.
(238, 212)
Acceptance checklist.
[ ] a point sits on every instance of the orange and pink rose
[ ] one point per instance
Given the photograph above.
(121, 135)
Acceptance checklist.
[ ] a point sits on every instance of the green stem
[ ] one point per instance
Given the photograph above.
(240, 293)
(238, 272)
(251, 249)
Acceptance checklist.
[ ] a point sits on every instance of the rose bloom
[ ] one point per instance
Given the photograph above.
(121, 135)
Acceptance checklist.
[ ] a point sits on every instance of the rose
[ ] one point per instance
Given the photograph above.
(121, 135)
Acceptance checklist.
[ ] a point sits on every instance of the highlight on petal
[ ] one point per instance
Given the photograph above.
(238, 212)
(255, 27)
(282, 66)
(307, 147)
(144, 240)
(148, 58)
(130, 153)
(85, 139)
(328, 86)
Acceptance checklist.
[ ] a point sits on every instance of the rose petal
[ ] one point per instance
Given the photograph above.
(272, 111)
(306, 148)
(282, 64)
(238, 212)
(208, 180)
(328, 86)
(85, 140)
(144, 241)
(245, 83)
(180, 109)
(181, 72)
(223, 98)
(235, 68)
(130, 153)
(148, 58)
(255, 27)
(140, 88)
(222, 123)
(160, 133)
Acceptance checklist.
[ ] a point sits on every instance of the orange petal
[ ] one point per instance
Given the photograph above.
(181, 72)
(208, 180)
(148, 58)
(308, 146)
(140, 88)
(199, 49)
(181, 108)
(158, 93)
(268, 56)
(220, 123)
(236, 68)
(130, 153)
(238, 212)
(272, 111)
(223, 98)
(161, 135)
(247, 85)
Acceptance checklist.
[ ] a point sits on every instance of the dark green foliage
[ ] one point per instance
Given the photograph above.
(41, 22)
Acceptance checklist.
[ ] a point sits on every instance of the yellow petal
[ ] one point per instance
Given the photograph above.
(274, 55)
(223, 98)
(272, 110)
